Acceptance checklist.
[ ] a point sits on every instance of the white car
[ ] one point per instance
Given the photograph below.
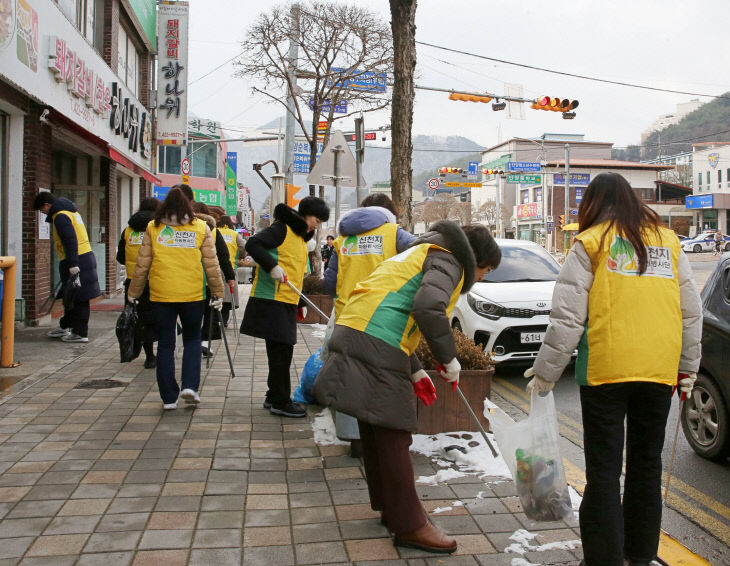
(705, 243)
(509, 309)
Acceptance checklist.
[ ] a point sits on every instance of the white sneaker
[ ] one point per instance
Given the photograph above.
(73, 337)
(59, 332)
(169, 406)
(191, 397)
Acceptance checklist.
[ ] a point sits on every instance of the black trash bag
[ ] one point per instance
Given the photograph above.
(69, 291)
(128, 335)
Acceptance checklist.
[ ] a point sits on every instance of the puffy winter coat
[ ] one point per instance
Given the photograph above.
(131, 239)
(367, 376)
(626, 327)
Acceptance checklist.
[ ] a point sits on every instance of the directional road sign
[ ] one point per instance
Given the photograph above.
(324, 107)
(524, 179)
(526, 166)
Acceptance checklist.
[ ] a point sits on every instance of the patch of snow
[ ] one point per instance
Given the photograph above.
(457, 503)
(324, 429)
(524, 542)
(318, 330)
(575, 498)
(441, 476)
(440, 510)
(521, 562)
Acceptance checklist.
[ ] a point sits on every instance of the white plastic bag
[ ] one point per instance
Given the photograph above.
(327, 335)
(531, 450)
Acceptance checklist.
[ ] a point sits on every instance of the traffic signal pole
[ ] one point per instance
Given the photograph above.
(566, 207)
(499, 206)
(292, 56)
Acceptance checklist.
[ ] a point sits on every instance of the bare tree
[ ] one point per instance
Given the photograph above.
(487, 214)
(403, 26)
(338, 43)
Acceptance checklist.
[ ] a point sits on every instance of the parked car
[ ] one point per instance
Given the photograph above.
(682, 238)
(706, 413)
(704, 243)
(508, 310)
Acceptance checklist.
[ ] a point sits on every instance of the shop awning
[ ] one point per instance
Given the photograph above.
(114, 155)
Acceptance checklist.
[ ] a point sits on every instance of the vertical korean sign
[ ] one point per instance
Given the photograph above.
(172, 73)
(231, 186)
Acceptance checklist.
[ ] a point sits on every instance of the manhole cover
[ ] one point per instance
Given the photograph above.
(100, 384)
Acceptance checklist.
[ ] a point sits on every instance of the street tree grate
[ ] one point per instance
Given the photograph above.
(100, 384)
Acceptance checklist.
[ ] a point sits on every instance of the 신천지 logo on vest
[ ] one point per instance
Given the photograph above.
(176, 238)
(622, 260)
(362, 245)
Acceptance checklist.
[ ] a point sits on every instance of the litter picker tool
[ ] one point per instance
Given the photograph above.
(210, 339)
(682, 399)
(471, 412)
(306, 300)
(233, 312)
(218, 314)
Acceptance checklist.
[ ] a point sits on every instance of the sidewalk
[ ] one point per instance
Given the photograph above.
(104, 477)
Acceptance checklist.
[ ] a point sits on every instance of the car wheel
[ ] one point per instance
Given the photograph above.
(456, 324)
(705, 420)
(727, 247)
(697, 248)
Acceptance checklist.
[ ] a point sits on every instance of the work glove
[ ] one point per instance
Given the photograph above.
(231, 284)
(277, 273)
(537, 383)
(685, 382)
(75, 280)
(75, 270)
(132, 300)
(423, 387)
(450, 372)
(301, 314)
(216, 303)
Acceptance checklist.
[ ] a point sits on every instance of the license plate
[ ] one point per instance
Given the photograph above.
(531, 337)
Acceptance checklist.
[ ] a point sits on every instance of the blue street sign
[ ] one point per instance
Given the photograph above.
(340, 107)
(574, 212)
(575, 179)
(301, 156)
(699, 201)
(578, 194)
(550, 226)
(473, 167)
(525, 166)
(361, 80)
(160, 192)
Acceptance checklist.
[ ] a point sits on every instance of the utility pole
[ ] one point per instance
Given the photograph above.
(499, 206)
(292, 56)
(566, 237)
(359, 155)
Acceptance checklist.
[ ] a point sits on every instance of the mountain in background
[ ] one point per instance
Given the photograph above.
(709, 123)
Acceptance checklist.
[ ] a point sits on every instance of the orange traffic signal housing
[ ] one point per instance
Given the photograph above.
(554, 104)
(469, 97)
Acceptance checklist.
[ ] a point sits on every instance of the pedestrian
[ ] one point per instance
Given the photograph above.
(626, 299)
(127, 251)
(178, 254)
(372, 372)
(368, 236)
(210, 331)
(76, 261)
(718, 242)
(273, 308)
(235, 244)
(326, 251)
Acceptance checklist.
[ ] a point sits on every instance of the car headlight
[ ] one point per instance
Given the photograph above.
(483, 307)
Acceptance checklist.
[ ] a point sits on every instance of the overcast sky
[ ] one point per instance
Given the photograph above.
(670, 44)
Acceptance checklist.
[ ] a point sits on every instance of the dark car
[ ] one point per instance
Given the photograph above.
(706, 413)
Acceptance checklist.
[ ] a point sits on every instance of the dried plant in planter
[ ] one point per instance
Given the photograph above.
(470, 356)
(313, 285)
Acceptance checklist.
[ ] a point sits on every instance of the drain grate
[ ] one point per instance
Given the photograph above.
(100, 384)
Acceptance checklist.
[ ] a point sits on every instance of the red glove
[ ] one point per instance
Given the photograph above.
(301, 314)
(423, 387)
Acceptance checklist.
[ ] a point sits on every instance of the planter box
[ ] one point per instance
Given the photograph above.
(448, 413)
(324, 303)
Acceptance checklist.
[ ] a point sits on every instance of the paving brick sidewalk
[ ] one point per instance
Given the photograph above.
(104, 477)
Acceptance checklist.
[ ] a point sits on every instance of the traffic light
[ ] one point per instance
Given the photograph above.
(444, 170)
(469, 97)
(492, 171)
(561, 220)
(555, 105)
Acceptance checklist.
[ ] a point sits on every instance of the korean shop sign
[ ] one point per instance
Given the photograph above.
(172, 73)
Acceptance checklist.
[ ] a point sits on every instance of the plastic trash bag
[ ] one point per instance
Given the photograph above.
(68, 292)
(303, 392)
(531, 451)
(327, 335)
(128, 335)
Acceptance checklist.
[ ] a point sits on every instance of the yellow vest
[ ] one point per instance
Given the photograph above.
(381, 305)
(291, 256)
(231, 239)
(82, 238)
(177, 274)
(132, 243)
(634, 326)
(358, 256)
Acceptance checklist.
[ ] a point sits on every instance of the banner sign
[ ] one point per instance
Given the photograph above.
(242, 199)
(699, 201)
(211, 198)
(360, 80)
(529, 210)
(231, 186)
(575, 179)
(301, 156)
(172, 73)
(146, 12)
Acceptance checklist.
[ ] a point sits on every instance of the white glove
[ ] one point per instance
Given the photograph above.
(311, 245)
(132, 300)
(301, 314)
(74, 270)
(277, 273)
(450, 372)
(685, 382)
(216, 303)
(537, 383)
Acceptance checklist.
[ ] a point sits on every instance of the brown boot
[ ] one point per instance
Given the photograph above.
(427, 538)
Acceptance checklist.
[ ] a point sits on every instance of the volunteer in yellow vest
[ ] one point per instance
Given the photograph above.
(235, 244)
(178, 256)
(372, 373)
(626, 299)
(272, 309)
(129, 244)
(368, 236)
(77, 264)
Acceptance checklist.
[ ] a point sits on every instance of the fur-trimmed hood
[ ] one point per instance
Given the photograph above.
(290, 217)
(209, 220)
(139, 220)
(449, 236)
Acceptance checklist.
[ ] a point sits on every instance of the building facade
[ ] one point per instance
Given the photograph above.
(75, 83)
(711, 192)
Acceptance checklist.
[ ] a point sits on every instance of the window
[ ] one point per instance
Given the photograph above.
(700, 179)
(525, 196)
(727, 176)
(719, 178)
(127, 61)
(538, 194)
(87, 17)
(168, 159)
(708, 179)
(204, 162)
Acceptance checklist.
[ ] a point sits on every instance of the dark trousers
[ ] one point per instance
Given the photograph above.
(191, 316)
(279, 356)
(389, 473)
(77, 319)
(610, 531)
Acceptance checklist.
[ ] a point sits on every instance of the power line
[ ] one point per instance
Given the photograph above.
(214, 70)
(574, 75)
